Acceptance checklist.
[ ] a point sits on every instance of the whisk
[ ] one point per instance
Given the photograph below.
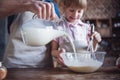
(90, 45)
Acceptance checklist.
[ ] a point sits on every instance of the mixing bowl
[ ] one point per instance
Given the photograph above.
(83, 61)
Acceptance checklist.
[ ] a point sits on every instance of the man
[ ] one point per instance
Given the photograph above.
(43, 10)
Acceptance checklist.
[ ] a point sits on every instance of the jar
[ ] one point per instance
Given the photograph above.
(3, 71)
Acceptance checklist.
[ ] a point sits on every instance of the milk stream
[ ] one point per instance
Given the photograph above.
(71, 43)
(42, 36)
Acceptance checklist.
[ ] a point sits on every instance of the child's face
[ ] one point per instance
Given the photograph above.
(73, 14)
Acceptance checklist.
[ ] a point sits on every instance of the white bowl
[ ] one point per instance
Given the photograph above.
(83, 61)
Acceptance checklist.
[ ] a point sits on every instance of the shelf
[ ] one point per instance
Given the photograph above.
(103, 23)
(116, 27)
(103, 26)
(115, 22)
(91, 21)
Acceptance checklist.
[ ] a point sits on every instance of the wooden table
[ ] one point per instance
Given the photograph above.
(104, 73)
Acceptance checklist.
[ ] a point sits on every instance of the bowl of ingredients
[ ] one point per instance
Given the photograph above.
(84, 61)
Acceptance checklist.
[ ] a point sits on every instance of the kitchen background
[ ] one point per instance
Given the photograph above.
(104, 14)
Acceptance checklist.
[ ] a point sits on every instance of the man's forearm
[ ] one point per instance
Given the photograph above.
(9, 7)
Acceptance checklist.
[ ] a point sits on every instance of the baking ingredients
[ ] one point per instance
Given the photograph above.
(85, 61)
(86, 67)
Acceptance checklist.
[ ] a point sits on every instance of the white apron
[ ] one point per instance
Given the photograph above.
(18, 54)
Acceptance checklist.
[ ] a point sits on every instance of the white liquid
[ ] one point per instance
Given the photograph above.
(36, 36)
(86, 67)
(41, 36)
(83, 63)
(71, 42)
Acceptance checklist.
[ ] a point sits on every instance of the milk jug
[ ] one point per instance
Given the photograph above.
(39, 32)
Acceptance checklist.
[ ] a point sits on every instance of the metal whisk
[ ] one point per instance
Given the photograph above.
(90, 45)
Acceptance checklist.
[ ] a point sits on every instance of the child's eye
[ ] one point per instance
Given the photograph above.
(71, 10)
(79, 11)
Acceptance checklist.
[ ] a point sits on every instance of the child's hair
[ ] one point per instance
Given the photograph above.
(72, 3)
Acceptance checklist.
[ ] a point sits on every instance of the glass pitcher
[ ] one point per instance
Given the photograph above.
(39, 32)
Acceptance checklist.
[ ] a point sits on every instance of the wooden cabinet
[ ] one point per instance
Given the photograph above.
(103, 26)
(116, 27)
(116, 35)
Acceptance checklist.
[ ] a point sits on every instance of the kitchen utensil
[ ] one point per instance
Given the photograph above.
(85, 62)
(37, 32)
(90, 45)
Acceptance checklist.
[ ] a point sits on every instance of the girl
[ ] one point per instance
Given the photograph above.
(71, 23)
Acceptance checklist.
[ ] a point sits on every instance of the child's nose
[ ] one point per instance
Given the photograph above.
(75, 14)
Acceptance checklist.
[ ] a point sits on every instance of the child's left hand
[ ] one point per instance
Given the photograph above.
(97, 36)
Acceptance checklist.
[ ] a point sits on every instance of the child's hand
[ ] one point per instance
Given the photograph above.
(97, 36)
(56, 57)
(55, 53)
(96, 40)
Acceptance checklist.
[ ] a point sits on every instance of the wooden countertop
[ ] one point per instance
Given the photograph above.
(104, 73)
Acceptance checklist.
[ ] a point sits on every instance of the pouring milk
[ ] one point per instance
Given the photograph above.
(39, 32)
